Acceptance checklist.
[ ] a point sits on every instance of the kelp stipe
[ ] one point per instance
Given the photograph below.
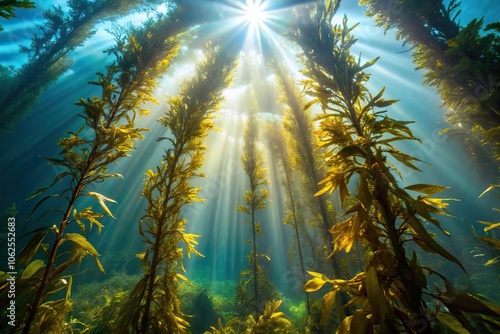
(7, 10)
(153, 306)
(109, 133)
(461, 62)
(359, 137)
(255, 198)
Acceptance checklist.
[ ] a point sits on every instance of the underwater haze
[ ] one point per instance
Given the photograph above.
(250, 166)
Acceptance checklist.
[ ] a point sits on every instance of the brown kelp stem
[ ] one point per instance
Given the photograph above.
(50, 262)
(254, 261)
(297, 233)
(388, 220)
(177, 152)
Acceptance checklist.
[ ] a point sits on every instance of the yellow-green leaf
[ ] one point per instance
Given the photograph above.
(489, 188)
(345, 325)
(99, 265)
(327, 305)
(68, 287)
(32, 268)
(324, 190)
(314, 284)
(491, 225)
(426, 188)
(31, 248)
(492, 261)
(101, 199)
(451, 322)
(424, 236)
(360, 323)
(182, 277)
(82, 242)
(376, 294)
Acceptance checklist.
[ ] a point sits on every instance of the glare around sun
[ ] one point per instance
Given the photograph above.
(255, 12)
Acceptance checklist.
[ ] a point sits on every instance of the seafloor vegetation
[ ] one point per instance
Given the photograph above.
(369, 249)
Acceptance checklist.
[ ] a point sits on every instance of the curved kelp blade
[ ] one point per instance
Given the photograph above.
(426, 238)
(32, 247)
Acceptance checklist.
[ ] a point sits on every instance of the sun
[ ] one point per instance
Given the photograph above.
(255, 12)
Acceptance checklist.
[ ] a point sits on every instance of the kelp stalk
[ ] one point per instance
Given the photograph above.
(306, 156)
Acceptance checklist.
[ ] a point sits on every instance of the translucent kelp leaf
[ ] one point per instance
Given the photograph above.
(376, 294)
(451, 322)
(426, 188)
(314, 284)
(32, 247)
(81, 241)
(361, 323)
(32, 268)
(327, 305)
(493, 261)
(345, 325)
(101, 199)
(425, 237)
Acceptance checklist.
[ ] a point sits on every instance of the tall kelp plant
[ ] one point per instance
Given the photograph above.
(461, 62)
(306, 159)
(359, 136)
(107, 135)
(49, 52)
(153, 305)
(255, 198)
(307, 162)
(294, 213)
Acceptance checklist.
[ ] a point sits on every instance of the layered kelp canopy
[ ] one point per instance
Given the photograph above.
(322, 218)
(461, 62)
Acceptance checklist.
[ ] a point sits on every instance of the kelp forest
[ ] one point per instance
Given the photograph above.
(250, 166)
